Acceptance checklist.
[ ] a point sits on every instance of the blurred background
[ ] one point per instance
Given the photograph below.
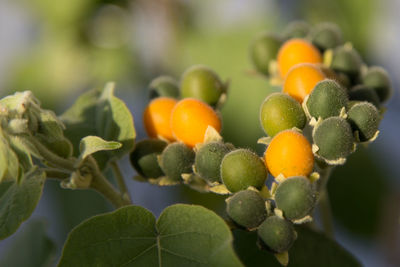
(59, 49)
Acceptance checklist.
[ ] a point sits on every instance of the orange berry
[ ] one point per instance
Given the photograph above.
(301, 79)
(157, 116)
(290, 154)
(295, 51)
(190, 119)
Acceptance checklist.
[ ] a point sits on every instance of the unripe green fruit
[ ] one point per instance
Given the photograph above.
(364, 93)
(277, 234)
(296, 29)
(364, 118)
(334, 138)
(346, 60)
(208, 160)
(144, 157)
(164, 86)
(264, 49)
(176, 159)
(326, 35)
(295, 197)
(279, 112)
(246, 208)
(378, 79)
(202, 83)
(326, 99)
(242, 168)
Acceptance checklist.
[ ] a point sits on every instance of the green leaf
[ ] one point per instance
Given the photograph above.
(184, 235)
(32, 247)
(18, 200)
(100, 113)
(310, 249)
(93, 144)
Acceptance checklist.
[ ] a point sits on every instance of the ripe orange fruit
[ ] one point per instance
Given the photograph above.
(156, 117)
(295, 51)
(190, 119)
(301, 79)
(290, 154)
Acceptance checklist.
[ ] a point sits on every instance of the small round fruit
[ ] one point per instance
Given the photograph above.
(164, 86)
(208, 160)
(156, 117)
(301, 80)
(296, 51)
(362, 92)
(296, 29)
(280, 112)
(295, 197)
(277, 234)
(264, 49)
(242, 168)
(290, 154)
(364, 118)
(144, 157)
(334, 139)
(246, 208)
(326, 35)
(177, 159)
(326, 100)
(190, 119)
(346, 60)
(202, 83)
(378, 79)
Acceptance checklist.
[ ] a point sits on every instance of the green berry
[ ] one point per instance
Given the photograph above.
(378, 79)
(202, 83)
(176, 159)
(296, 29)
(364, 118)
(326, 36)
(246, 208)
(279, 112)
(208, 160)
(264, 49)
(295, 197)
(277, 234)
(144, 157)
(346, 60)
(242, 168)
(334, 139)
(364, 93)
(164, 86)
(326, 99)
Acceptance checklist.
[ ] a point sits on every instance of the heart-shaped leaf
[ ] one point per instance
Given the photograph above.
(184, 235)
(18, 199)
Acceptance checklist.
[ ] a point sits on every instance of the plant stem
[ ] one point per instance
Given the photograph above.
(120, 180)
(51, 157)
(103, 186)
(323, 201)
(52, 173)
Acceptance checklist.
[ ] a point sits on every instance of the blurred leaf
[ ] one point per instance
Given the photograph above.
(32, 248)
(184, 235)
(18, 200)
(359, 187)
(310, 249)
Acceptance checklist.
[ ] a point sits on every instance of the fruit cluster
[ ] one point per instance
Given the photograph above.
(330, 101)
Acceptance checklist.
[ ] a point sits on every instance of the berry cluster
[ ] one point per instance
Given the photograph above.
(330, 102)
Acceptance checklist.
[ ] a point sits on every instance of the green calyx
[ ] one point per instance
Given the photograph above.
(246, 208)
(177, 159)
(378, 79)
(242, 168)
(280, 112)
(164, 86)
(364, 93)
(326, 36)
(263, 50)
(277, 234)
(296, 29)
(364, 118)
(296, 197)
(346, 60)
(208, 160)
(144, 157)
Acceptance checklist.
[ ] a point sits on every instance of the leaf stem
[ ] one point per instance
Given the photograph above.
(52, 173)
(120, 180)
